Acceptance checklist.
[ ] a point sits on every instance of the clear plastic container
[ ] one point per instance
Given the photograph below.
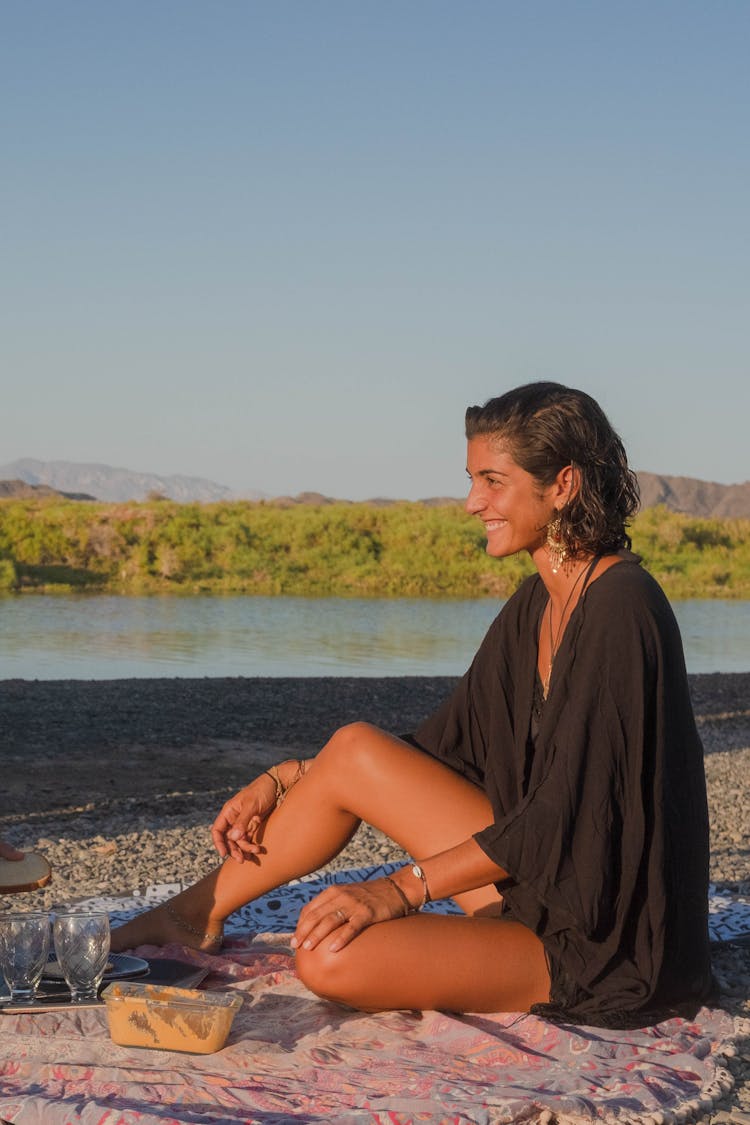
(169, 1019)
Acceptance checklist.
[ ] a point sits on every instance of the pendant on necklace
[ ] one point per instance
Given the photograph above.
(556, 638)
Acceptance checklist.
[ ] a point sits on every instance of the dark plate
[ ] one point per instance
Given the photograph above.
(122, 966)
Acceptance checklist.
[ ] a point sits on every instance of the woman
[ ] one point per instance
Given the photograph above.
(558, 796)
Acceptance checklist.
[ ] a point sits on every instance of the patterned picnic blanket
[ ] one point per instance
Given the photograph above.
(291, 1057)
(277, 912)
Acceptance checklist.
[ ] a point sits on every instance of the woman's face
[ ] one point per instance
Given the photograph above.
(507, 499)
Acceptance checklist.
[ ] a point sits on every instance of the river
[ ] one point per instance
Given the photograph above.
(103, 637)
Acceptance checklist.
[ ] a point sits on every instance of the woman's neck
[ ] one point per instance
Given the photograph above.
(566, 587)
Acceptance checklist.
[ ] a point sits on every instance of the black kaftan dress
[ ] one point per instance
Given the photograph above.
(601, 818)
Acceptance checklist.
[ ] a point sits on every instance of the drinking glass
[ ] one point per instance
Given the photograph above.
(24, 944)
(82, 949)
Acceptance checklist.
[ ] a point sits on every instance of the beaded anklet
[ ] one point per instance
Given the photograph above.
(185, 925)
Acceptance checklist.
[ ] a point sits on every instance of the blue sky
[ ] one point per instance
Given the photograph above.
(282, 245)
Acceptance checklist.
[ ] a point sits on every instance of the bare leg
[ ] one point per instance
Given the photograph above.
(361, 774)
(429, 961)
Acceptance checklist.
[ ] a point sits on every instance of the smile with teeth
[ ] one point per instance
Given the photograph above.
(494, 525)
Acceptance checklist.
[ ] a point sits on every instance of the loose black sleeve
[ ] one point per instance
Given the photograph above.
(475, 722)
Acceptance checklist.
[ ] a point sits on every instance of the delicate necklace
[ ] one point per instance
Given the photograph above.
(554, 641)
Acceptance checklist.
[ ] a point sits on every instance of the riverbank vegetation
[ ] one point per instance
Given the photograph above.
(399, 549)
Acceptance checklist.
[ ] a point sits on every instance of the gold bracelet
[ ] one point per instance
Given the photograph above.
(273, 773)
(298, 774)
(408, 908)
(418, 873)
(281, 789)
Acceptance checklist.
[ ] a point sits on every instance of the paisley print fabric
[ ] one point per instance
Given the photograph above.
(291, 1057)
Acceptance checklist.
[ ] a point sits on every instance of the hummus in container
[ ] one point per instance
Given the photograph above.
(169, 1019)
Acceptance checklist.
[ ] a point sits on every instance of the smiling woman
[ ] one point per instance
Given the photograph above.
(597, 493)
(549, 476)
(533, 796)
(505, 497)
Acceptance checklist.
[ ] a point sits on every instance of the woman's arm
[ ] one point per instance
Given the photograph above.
(236, 828)
(462, 868)
(349, 908)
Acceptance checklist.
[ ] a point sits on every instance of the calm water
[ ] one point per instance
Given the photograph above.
(79, 637)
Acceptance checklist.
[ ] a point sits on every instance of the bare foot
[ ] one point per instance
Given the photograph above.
(165, 925)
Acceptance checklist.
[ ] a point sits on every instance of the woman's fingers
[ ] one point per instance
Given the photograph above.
(324, 921)
(347, 910)
(245, 844)
(345, 930)
(236, 828)
(220, 828)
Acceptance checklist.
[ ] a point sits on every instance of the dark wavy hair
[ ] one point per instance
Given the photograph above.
(547, 426)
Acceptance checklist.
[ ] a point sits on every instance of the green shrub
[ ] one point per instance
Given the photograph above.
(403, 549)
(8, 576)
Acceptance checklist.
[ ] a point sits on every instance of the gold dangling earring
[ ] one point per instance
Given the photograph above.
(557, 548)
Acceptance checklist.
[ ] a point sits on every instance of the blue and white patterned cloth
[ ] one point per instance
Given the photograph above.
(277, 911)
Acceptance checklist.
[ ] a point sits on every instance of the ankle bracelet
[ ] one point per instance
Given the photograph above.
(185, 925)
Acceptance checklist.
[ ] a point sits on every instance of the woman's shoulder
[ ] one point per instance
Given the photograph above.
(627, 577)
(526, 598)
(516, 616)
(626, 600)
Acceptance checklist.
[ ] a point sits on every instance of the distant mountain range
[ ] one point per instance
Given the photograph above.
(103, 482)
(695, 497)
(21, 490)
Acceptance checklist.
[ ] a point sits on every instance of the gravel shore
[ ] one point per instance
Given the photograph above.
(117, 781)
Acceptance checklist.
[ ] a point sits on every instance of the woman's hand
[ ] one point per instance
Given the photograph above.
(344, 911)
(237, 828)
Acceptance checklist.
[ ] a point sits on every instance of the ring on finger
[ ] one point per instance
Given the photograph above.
(341, 915)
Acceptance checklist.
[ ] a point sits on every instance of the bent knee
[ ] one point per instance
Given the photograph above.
(324, 973)
(349, 742)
